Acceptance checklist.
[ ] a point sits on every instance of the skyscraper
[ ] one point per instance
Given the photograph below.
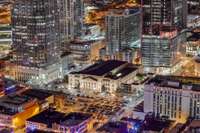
(37, 36)
(161, 13)
(122, 30)
(163, 24)
(75, 14)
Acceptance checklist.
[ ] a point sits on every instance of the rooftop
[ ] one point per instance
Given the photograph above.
(127, 119)
(176, 82)
(112, 69)
(47, 117)
(156, 125)
(14, 100)
(8, 86)
(11, 105)
(7, 111)
(73, 119)
(50, 116)
(101, 68)
(37, 93)
(122, 72)
(113, 127)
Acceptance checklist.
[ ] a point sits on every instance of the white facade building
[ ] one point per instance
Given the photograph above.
(175, 97)
(106, 76)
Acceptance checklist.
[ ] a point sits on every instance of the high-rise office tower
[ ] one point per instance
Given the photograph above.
(122, 30)
(160, 13)
(37, 35)
(163, 23)
(62, 4)
(75, 17)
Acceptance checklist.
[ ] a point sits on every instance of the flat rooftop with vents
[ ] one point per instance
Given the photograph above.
(176, 82)
(47, 117)
(14, 100)
(156, 125)
(37, 93)
(113, 127)
(11, 87)
(13, 104)
(74, 119)
(51, 119)
(112, 69)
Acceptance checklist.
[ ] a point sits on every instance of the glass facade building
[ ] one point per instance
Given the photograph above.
(161, 13)
(161, 52)
(163, 24)
(122, 30)
(75, 14)
(37, 35)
